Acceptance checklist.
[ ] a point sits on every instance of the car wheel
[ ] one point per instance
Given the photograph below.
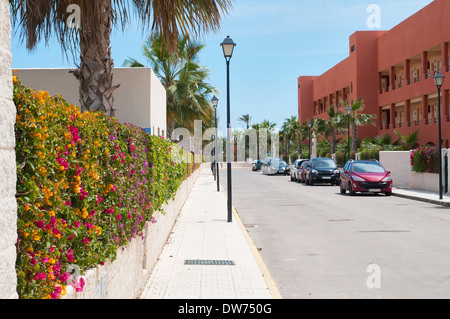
(388, 193)
(311, 181)
(343, 190)
(350, 190)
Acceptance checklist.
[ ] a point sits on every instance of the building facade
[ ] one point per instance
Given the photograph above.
(140, 99)
(392, 71)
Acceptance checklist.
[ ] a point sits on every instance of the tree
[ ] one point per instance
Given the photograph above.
(408, 142)
(357, 118)
(336, 123)
(40, 19)
(184, 78)
(246, 119)
(290, 130)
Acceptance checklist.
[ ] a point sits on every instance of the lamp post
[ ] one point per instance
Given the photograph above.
(439, 81)
(349, 112)
(215, 103)
(228, 47)
(309, 132)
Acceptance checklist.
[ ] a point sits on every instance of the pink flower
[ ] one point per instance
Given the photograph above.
(68, 203)
(64, 277)
(119, 217)
(40, 276)
(70, 255)
(99, 199)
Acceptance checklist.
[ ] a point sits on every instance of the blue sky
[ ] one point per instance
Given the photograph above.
(277, 41)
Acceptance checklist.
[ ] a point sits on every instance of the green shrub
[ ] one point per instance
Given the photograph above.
(425, 159)
(86, 186)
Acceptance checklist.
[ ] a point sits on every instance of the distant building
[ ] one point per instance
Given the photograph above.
(140, 100)
(392, 71)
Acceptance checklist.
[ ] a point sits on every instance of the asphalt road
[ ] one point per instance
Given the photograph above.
(318, 243)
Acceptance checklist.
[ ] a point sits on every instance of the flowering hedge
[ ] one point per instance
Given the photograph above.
(425, 159)
(86, 186)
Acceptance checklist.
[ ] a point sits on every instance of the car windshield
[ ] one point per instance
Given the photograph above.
(366, 167)
(283, 163)
(323, 163)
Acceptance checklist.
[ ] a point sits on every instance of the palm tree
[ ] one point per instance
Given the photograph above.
(357, 118)
(408, 142)
(336, 124)
(246, 119)
(184, 79)
(41, 19)
(290, 129)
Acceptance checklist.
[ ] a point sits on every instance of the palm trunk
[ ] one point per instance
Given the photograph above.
(333, 142)
(96, 69)
(299, 144)
(354, 138)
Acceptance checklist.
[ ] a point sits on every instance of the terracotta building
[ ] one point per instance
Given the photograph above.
(392, 71)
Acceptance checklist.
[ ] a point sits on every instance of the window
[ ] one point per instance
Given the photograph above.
(353, 48)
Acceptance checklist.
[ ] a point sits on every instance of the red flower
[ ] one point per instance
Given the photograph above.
(40, 224)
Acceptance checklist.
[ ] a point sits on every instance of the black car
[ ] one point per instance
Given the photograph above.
(322, 170)
(256, 165)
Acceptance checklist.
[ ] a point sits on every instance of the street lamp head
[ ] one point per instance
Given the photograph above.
(228, 47)
(215, 101)
(309, 124)
(439, 80)
(349, 110)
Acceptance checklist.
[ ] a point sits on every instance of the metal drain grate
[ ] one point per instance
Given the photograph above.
(210, 262)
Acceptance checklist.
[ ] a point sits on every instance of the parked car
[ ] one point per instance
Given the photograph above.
(273, 166)
(322, 170)
(256, 165)
(283, 168)
(302, 172)
(295, 170)
(365, 177)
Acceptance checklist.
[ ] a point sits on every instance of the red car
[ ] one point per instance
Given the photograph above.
(302, 172)
(365, 177)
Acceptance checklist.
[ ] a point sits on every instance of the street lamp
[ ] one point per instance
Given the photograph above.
(349, 112)
(228, 47)
(215, 103)
(309, 131)
(439, 81)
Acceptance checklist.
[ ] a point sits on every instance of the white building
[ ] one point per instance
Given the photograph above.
(140, 99)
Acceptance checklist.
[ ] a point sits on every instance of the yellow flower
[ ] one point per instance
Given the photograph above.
(85, 213)
(36, 238)
(14, 79)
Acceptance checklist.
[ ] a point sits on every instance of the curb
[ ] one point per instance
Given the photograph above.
(421, 199)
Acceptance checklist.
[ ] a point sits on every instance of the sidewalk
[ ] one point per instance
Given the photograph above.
(195, 262)
(424, 196)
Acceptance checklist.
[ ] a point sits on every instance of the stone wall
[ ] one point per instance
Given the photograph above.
(8, 207)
